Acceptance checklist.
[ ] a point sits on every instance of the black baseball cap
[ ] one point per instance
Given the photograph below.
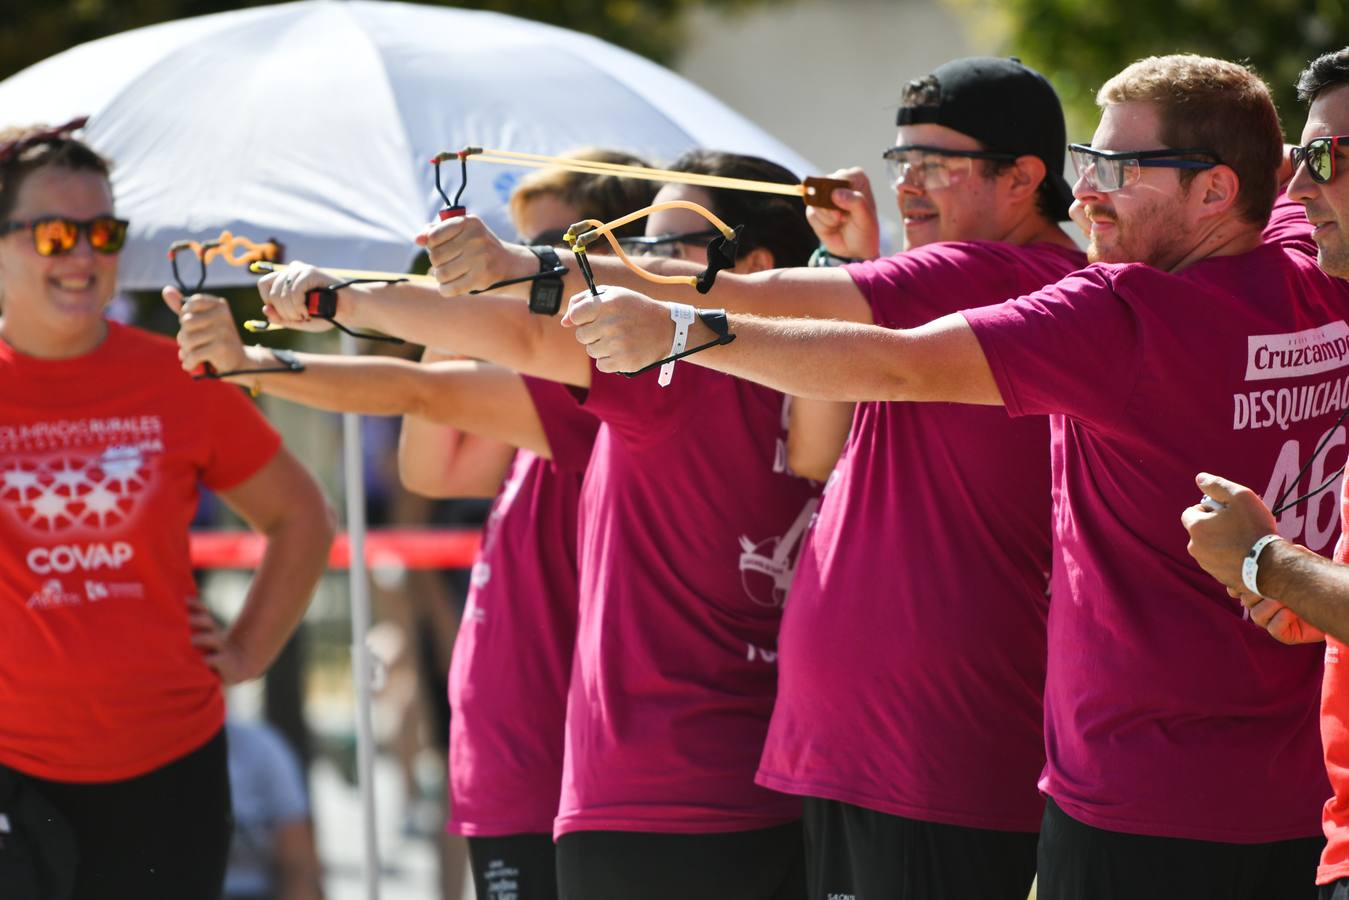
(1007, 106)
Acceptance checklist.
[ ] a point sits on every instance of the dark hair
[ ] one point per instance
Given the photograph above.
(603, 197)
(1327, 70)
(926, 91)
(25, 150)
(1212, 103)
(772, 221)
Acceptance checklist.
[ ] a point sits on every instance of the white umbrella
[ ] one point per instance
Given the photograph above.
(314, 122)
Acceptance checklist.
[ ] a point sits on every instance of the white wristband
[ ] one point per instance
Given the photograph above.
(1250, 566)
(683, 315)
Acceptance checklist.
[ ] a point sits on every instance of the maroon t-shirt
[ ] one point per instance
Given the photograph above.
(512, 658)
(1167, 712)
(689, 532)
(913, 644)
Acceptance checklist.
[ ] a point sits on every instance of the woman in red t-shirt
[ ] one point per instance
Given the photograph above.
(113, 779)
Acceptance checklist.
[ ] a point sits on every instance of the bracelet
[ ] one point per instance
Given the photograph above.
(289, 363)
(715, 320)
(821, 258)
(288, 360)
(683, 315)
(1250, 568)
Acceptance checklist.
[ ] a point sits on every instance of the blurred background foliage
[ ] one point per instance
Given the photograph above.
(1079, 44)
(34, 31)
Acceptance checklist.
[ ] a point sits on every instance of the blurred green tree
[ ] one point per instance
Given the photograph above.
(1079, 44)
(34, 31)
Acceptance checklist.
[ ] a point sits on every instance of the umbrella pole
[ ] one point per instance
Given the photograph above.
(360, 627)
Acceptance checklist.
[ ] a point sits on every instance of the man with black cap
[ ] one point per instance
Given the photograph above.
(909, 714)
(911, 657)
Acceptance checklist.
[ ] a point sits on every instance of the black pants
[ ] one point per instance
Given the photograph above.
(765, 864)
(862, 854)
(160, 836)
(1079, 862)
(514, 867)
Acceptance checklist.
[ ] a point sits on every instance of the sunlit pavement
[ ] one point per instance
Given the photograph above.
(408, 861)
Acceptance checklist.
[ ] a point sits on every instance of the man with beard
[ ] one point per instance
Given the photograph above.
(1182, 759)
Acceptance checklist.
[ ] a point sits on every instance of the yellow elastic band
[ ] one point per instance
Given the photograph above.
(539, 161)
(578, 241)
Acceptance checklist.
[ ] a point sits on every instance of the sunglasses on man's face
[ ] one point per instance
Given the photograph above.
(56, 236)
(1109, 171)
(1319, 155)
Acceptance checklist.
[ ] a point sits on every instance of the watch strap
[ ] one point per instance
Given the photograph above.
(545, 293)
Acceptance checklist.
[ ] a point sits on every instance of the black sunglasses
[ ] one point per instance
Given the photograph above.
(1106, 170)
(57, 235)
(1319, 154)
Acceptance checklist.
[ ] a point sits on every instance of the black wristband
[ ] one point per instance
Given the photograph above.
(715, 319)
(545, 294)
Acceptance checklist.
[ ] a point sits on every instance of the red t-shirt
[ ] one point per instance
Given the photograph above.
(1166, 712)
(914, 688)
(100, 459)
(1335, 737)
(512, 659)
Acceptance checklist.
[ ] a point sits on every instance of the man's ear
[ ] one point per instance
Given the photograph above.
(1025, 177)
(1215, 190)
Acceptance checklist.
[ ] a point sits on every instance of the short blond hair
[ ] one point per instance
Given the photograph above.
(602, 197)
(1215, 104)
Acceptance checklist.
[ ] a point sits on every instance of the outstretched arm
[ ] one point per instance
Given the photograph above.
(471, 396)
(466, 255)
(493, 328)
(1301, 594)
(825, 360)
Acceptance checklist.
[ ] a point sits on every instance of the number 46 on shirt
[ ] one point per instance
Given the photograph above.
(1315, 522)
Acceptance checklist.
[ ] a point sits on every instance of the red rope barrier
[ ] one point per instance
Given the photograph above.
(411, 548)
